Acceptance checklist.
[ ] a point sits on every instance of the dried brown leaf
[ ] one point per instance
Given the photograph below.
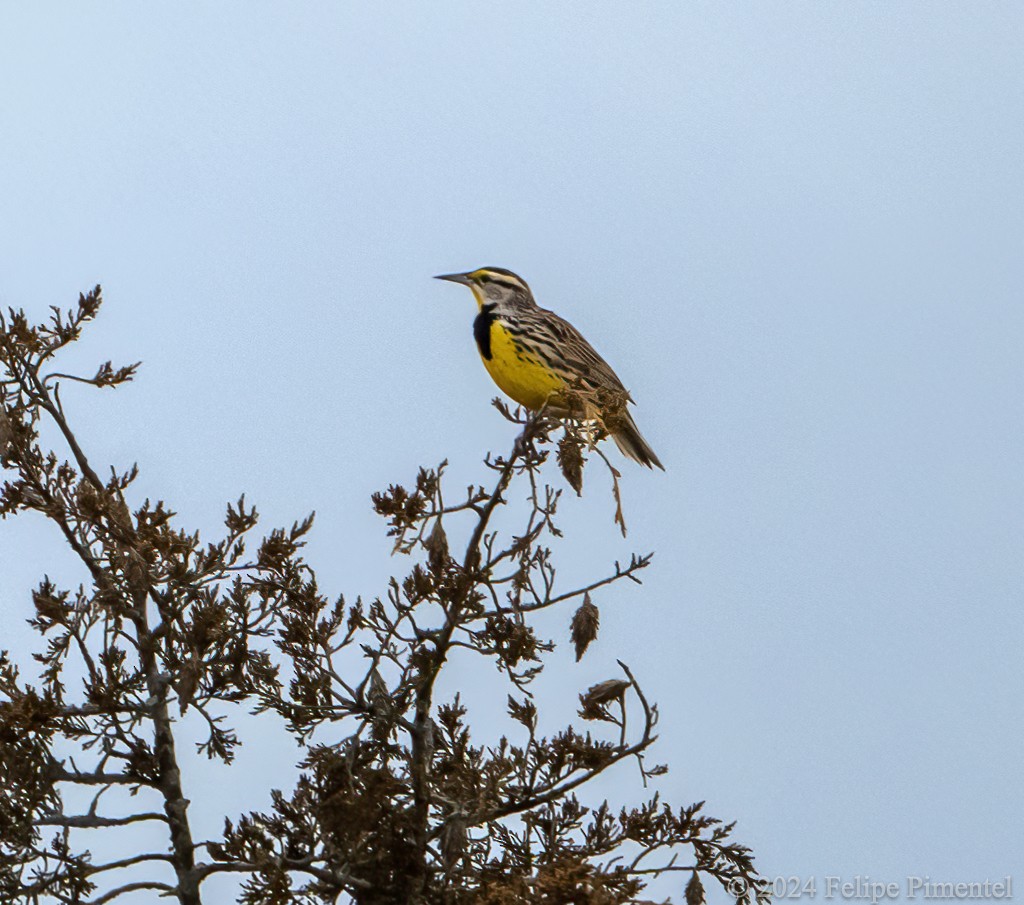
(437, 548)
(695, 890)
(584, 626)
(570, 460)
(598, 696)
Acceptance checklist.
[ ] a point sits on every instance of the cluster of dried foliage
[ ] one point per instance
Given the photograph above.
(406, 808)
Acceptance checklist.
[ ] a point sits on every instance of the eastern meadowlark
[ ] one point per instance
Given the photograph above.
(543, 362)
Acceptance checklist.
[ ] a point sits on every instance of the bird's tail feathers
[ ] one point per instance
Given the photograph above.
(632, 444)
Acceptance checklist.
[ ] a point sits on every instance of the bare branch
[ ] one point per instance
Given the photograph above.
(139, 885)
(93, 821)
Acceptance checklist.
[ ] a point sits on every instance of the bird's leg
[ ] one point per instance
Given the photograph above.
(531, 426)
(542, 421)
(520, 446)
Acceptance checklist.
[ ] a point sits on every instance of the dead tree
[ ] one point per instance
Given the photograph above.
(397, 802)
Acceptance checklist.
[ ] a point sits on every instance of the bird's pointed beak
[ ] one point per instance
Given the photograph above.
(455, 278)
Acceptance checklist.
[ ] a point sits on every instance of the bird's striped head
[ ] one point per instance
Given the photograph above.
(495, 287)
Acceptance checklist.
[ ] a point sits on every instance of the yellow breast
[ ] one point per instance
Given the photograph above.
(519, 374)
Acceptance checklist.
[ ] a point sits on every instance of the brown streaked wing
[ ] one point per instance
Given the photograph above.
(579, 356)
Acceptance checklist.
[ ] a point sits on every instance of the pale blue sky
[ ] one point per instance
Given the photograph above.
(794, 229)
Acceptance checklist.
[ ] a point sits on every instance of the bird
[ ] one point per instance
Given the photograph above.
(543, 362)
